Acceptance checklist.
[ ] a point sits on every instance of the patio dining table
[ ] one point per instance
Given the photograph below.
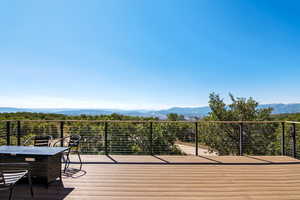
(45, 161)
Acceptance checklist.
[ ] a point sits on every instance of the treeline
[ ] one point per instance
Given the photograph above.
(145, 137)
(136, 137)
(52, 116)
(287, 117)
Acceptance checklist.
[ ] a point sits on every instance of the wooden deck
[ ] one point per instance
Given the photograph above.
(176, 177)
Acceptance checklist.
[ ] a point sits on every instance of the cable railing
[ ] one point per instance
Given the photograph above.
(163, 137)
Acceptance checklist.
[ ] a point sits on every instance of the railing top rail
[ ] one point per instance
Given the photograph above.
(292, 122)
(239, 122)
(153, 121)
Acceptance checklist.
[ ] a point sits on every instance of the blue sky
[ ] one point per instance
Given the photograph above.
(145, 54)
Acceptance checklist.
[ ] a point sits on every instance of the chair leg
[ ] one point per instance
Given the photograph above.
(30, 184)
(10, 192)
(67, 163)
(61, 181)
(79, 159)
(65, 168)
(68, 160)
(63, 158)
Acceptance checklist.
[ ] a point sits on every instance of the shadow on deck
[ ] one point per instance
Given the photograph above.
(186, 160)
(55, 191)
(173, 177)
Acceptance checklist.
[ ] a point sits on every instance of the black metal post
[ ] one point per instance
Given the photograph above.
(151, 138)
(294, 140)
(8, 133)
(18, 133)
(283, 139)
(61, 133)
(196, 139)
(241, 138)
(105, 138)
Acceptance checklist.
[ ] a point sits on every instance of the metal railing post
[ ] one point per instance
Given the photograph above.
(19, 133)
(151, 138)
(105, 138)
(8, 133)
(294, 153)
(196, 139)
(61, 133)
(283, 139)
(241, 139)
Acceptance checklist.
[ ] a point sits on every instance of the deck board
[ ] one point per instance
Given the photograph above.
(174, 159)
(185, 181)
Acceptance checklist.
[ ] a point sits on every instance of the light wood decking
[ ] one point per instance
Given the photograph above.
(177, 177)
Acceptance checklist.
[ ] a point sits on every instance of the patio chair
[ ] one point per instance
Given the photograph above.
(39, 141)
(11, 173)
(73, 142)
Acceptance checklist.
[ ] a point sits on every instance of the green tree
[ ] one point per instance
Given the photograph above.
(240, 109)
(224, 137)
(175, 117)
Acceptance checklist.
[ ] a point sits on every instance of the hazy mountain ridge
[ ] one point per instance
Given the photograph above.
(186, 111)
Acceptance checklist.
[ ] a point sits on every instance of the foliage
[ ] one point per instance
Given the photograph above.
(122, 137)
(287, 117)
(225, 137)
(288, 130)
(135, 137)
(175, 117)
(240, 109)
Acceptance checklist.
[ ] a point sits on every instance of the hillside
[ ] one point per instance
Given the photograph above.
(186, 111)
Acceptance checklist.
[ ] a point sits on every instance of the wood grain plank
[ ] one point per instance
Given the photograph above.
(139, 181)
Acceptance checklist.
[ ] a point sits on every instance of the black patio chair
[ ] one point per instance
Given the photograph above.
(73, 142)
(39, 141)
(11, 173)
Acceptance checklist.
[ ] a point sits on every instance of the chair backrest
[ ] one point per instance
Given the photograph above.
(2, 180)
(10, 173)
(42, 141)
(74, 140)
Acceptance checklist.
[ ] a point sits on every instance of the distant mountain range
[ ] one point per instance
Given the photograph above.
(188, 112)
